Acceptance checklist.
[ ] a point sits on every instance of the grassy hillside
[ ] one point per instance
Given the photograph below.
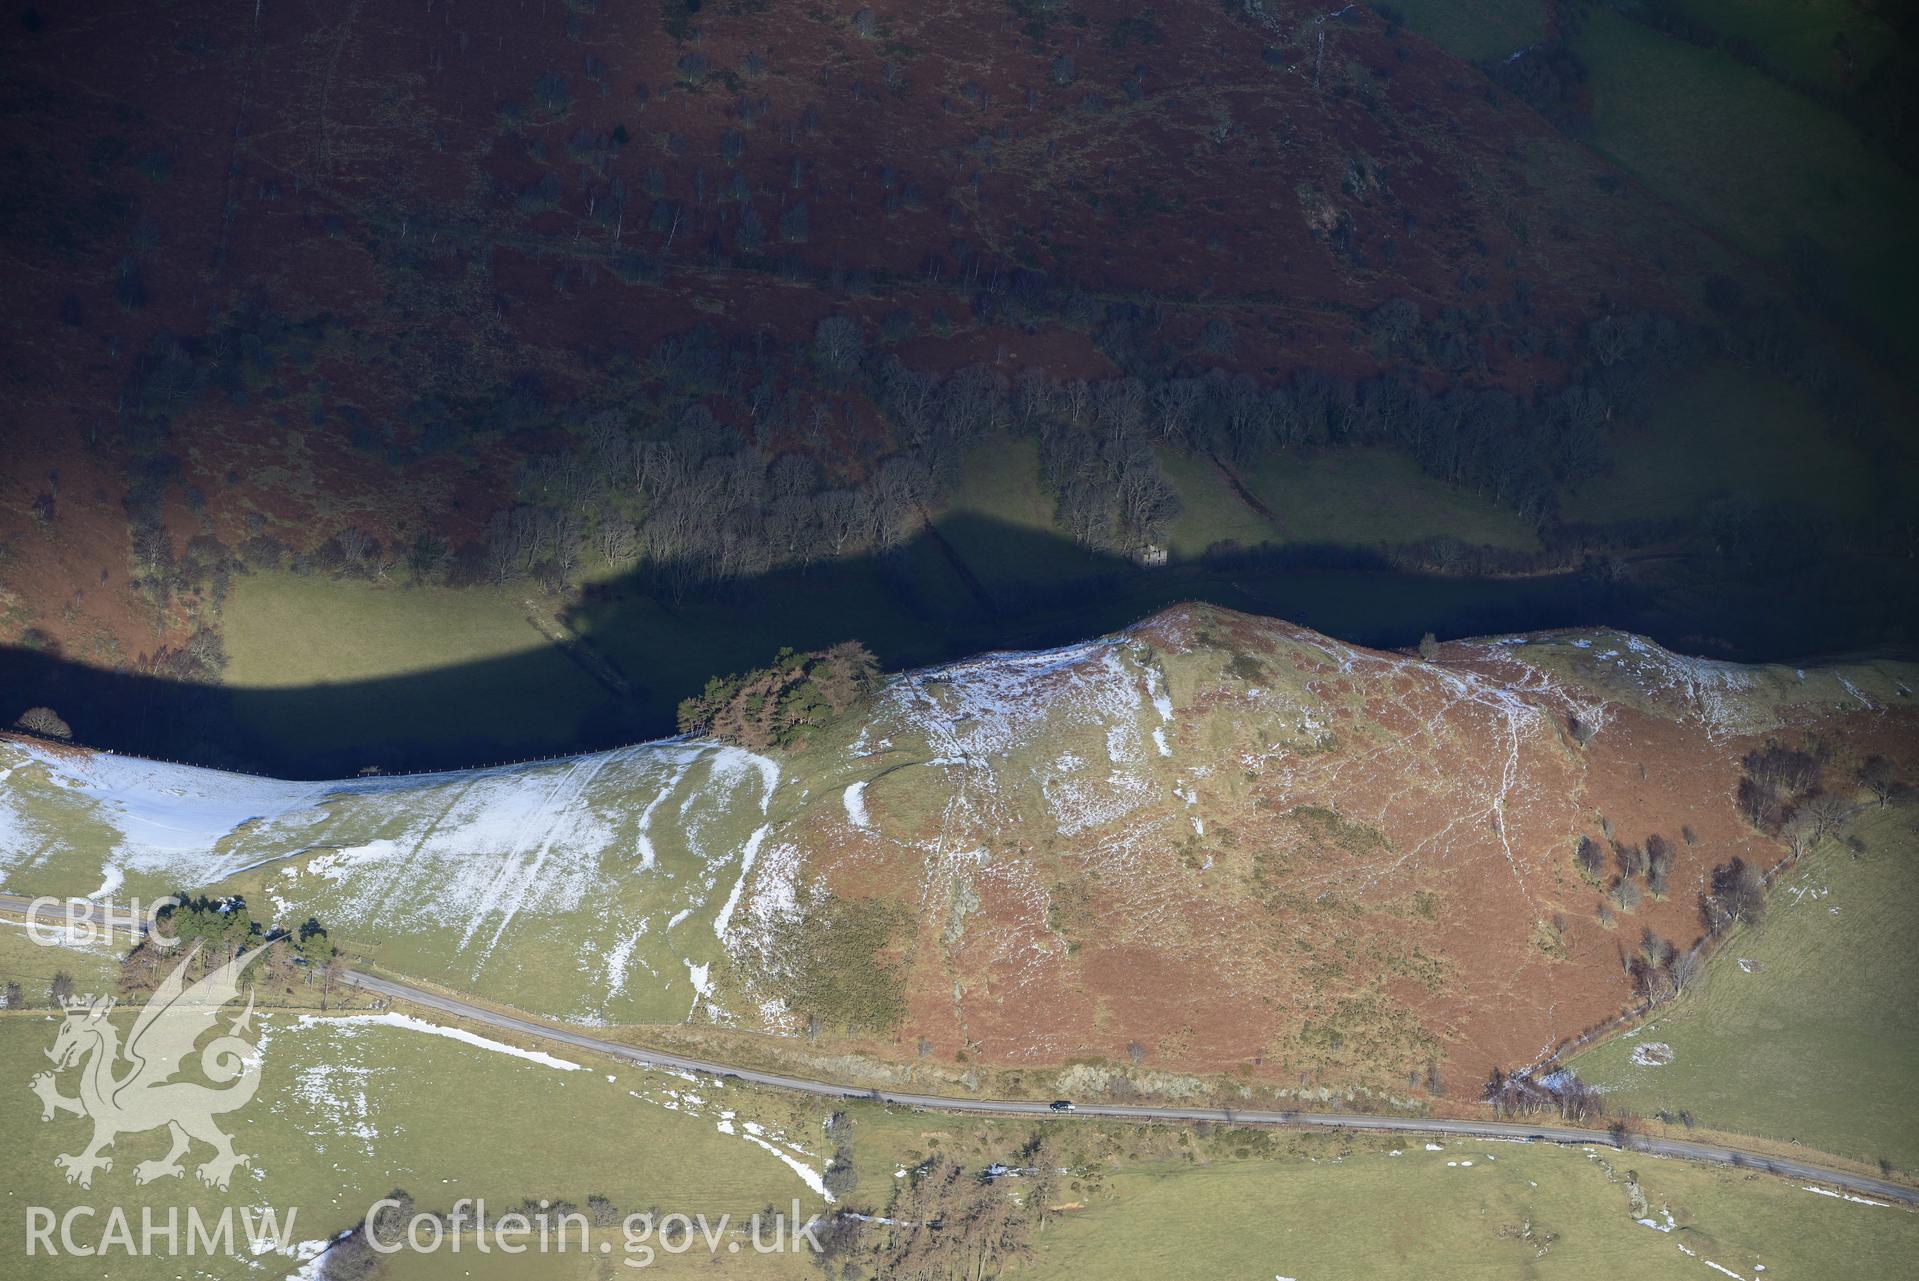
(622, 861)
(392, 390)
(1803, 1027)
(1802, 39)
(999, 520)
(347, 671)
(1748, 155)
(1476, 32)
(1354, 1209)
(1363, 497)
(1757, 162)
(1346, 497)
(93, 966)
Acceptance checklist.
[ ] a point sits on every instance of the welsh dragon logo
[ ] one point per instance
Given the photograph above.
(130, 1089)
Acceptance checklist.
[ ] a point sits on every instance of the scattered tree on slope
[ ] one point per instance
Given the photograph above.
(1737, 893)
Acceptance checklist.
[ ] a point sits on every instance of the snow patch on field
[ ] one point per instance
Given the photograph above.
(490, 855)
(728, 1122)
(1652, 1054)
(770, 906)
(808, 1175)
(619, 961)
(57, 932)
(336, 1095)
(348, 1023)
(165, 816)
(1078, 803)
(731, 762)
(648, 856)
(337, 865)
(1713, 692)
(978, 710)
(313, 1257)
(1846, 1196)
(495, 857)
(699, 976)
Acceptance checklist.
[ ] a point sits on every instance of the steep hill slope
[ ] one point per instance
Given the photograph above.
(314, 269)
(1207, 844)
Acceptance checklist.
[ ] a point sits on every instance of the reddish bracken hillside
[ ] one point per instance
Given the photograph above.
(1220, 844)
(305, 265)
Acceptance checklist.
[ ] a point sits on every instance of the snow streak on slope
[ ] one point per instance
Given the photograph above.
(392, 1019)
(694, 1101)
(164, 816)
(1451, 732)
(1718, 695)
(470, 866)
(979, 713)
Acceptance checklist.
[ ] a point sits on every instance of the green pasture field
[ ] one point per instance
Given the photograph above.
(1516, 1211)
(1797, 36)
(1722, 435)
(348, 1112)
(1804, 1027)
(1757, 162)
(1347, 497)
(437, 655)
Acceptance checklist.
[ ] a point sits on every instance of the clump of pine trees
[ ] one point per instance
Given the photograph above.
(774, 705)
(214, 930)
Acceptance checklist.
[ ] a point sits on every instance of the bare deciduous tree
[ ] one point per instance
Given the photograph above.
(837, 345)
(45, 722)
(1878, 776)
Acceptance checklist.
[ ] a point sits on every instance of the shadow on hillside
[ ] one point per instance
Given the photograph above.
(977, 585)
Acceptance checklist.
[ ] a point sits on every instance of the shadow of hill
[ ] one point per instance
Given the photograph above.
(924, 602)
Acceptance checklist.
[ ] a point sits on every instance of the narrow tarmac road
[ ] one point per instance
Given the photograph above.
(1681, 1149)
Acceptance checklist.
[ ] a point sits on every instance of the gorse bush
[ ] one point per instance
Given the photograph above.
(830, 960)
